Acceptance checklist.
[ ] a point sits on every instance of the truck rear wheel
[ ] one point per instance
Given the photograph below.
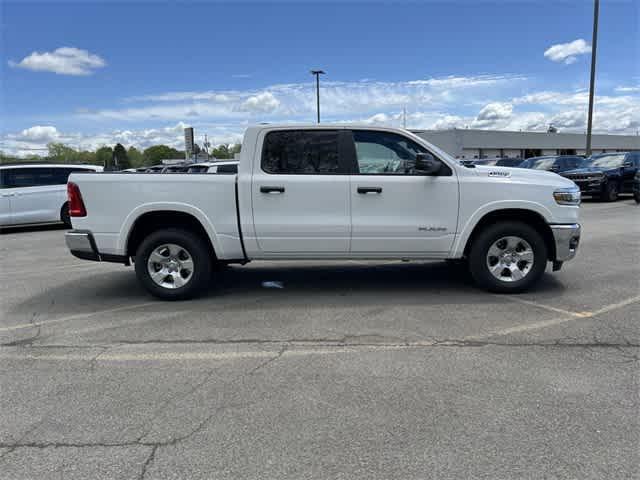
(173, 264)
(508, 257)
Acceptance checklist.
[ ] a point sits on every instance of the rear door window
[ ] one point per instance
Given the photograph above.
(227, 169)
(301, 152)
(29, 177)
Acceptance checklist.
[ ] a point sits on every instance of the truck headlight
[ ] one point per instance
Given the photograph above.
(567, 196)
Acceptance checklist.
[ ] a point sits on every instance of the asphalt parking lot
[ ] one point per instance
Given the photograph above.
(351, 370)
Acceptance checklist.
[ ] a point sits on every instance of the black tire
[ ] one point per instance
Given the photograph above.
(611, 192)
(64, 215)
(197, 250)
(636, 197)
(478, 257)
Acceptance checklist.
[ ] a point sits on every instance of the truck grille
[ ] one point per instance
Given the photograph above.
(583, 178)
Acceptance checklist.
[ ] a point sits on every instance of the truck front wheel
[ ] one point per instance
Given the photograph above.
(173, 264)
(507, 257)
(610, 193)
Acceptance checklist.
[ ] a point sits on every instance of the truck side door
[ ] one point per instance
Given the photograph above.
(300, 193)
(395, 210)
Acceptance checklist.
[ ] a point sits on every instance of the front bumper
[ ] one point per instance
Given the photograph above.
(82, 245)
(566, 238)
(590, 187)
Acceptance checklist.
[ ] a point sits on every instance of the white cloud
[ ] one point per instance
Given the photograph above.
(630, 89)
(570, 119)
(263, 102)
(297, 101)
(495, 111)
(489, 102)
(567, 52)
(39, 134)
(63, 61)
(453, 81)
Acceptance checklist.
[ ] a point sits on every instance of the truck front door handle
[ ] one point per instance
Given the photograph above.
(271, 189)
(365, 190)
(8, 194)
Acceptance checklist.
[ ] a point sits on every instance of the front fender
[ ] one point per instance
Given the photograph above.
(466, 229)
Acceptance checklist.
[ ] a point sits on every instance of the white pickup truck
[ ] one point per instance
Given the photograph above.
(327, 192)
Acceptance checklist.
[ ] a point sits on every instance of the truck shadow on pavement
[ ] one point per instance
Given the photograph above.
(416, 283)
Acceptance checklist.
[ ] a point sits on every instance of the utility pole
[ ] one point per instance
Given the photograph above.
(404, 117)
(317, 73)
(594, 46)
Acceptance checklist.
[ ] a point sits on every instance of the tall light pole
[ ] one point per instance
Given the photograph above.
(594, 46)
(317, 73)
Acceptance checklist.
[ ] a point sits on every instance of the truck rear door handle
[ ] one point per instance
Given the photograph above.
(271, 189)
(365, 190)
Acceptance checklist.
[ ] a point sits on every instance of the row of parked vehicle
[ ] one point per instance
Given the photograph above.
(37, 193)
(602, 176)
(225, 167)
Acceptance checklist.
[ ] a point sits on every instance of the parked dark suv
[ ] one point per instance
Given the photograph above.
(553, 163)
(606, 175)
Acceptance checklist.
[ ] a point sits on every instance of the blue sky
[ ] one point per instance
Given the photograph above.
(88, 73)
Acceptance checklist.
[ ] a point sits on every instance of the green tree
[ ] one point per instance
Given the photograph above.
(120, 157)
(225, 151)
(104, 156)
(155, 154)
(136, 159)
(60, 153)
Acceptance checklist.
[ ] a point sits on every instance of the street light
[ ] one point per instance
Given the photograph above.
(594, 45)
(317, 73)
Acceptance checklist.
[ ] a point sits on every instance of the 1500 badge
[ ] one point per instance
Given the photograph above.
(430, 228)
(499, 174)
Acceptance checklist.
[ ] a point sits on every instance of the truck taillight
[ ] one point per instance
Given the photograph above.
(76, 205)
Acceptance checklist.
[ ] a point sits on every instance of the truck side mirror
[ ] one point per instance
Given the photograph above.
(627, 164)
(427, 164)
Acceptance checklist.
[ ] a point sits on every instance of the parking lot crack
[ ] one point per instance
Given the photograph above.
(269, 361)
(148, 461)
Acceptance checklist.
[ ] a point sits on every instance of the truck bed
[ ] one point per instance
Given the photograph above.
(114, 201)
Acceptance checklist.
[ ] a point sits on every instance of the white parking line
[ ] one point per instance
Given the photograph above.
(545, 307)
(196, 356)
(74, 317)
(570, 316)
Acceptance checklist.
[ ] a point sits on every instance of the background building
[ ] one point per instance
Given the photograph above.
(470, 144)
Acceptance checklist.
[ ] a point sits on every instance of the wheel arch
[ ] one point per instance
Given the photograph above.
(523, 215)
(65, 204)
(155, 220)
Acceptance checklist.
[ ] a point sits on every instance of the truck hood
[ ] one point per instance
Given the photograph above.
(524, 175)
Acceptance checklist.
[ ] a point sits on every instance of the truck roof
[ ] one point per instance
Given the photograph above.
(51, 165)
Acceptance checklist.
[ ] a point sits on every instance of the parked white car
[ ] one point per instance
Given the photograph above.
(36, 193)
(223, 167)
(328, 192)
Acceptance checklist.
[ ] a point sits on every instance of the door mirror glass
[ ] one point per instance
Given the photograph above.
(427, 164)
(627, 163)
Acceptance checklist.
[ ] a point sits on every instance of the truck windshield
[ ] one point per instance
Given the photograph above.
(605, 161)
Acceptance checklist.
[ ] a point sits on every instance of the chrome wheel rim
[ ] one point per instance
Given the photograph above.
(170, 266)
(510, 259)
